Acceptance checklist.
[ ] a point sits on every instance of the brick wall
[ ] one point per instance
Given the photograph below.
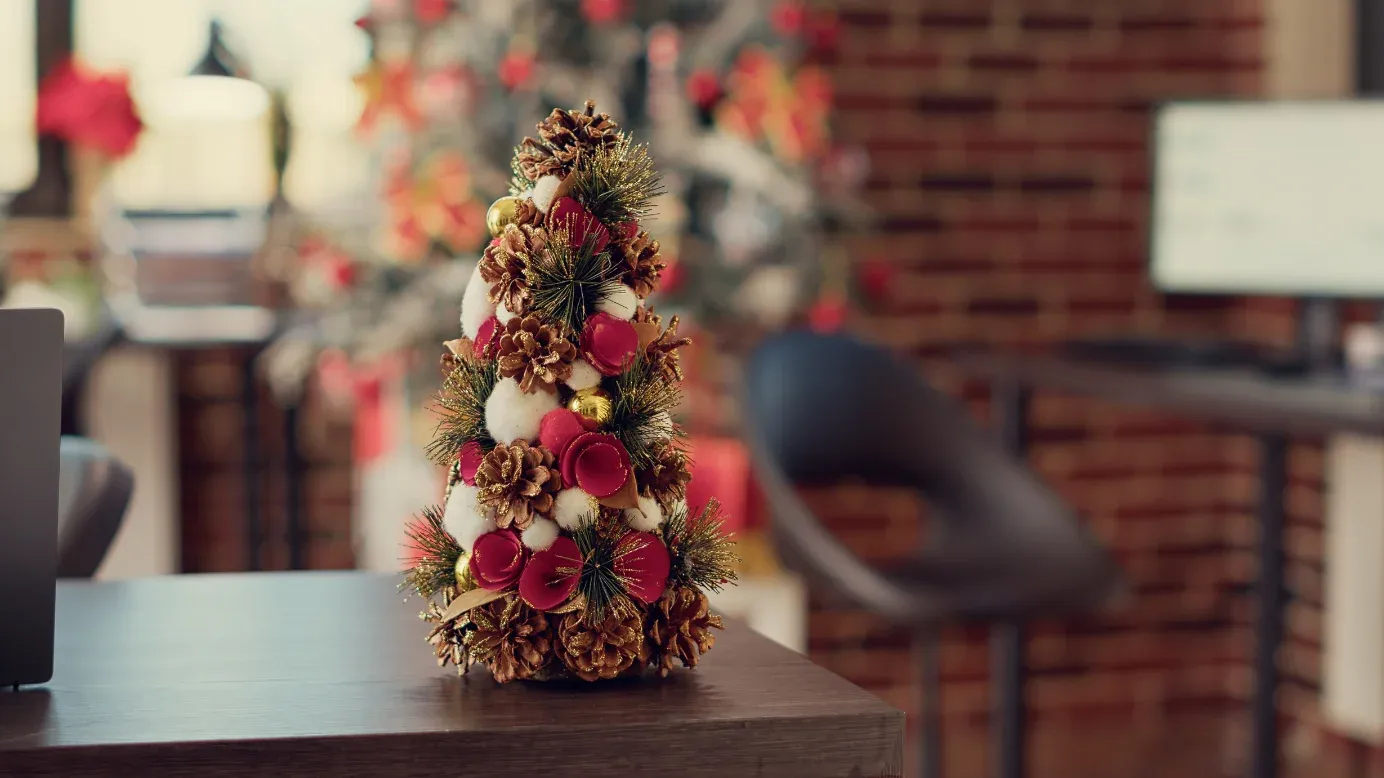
(1009, 141)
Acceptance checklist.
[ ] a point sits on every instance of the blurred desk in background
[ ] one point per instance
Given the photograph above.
(299, 674)
(1271, 408)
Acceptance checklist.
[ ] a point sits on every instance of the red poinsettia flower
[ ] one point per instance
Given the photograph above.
(90, 110)
(602, 11)
(597, 463)
(703, 88)
(788, 17)
(642, 564)
(609, 343)
(551, 575)
(515, 70)
(497, 559)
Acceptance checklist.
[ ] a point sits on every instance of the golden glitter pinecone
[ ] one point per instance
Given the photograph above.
(605, 650)
(502, 265)
(667, 480)
(518, 480)
(662, 353)
(538, 355)
(644, 314)
(679, 628)
(526, 213)
(511, 639)
(563, 138)
(642, 263)
(448, 638)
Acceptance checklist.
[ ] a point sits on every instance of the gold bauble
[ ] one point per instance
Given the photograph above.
(591, 404)
(502, 212)
(463, 572)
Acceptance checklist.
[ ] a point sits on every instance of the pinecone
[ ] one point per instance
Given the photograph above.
(643, 263)
(511, 639)
(604, 650)
(667, 480)
(448, 638)
(679, 628)
(662, 353)
(644, 314)
(502, 265)
(564, 137)
(526, 213)
(538, 354)
(518, 480)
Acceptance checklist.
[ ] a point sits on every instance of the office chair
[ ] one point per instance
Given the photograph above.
(1003, 548)
(94, 490)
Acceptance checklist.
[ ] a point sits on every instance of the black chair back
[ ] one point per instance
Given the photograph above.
(825, 408)
(94, 490)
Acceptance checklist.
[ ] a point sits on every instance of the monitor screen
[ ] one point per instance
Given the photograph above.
(1272, 198)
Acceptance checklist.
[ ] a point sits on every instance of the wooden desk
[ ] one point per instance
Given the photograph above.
(297, 674)
(1271, 408)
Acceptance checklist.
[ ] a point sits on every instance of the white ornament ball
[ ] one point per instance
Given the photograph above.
(544, 189)
(540, 534)
(475, 304)
(464, 517)
(572, 507)
(584, 376)
(622, 303)
(502, 313)
(512, 415)
(647, 517)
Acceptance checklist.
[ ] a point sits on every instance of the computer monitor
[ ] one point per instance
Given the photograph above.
(1269, 198)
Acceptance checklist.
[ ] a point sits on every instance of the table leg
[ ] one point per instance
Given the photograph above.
(249, 407)
(293, 487)
(1270, 595)
(1007, 672)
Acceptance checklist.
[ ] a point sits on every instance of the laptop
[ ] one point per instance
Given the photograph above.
(31, 349)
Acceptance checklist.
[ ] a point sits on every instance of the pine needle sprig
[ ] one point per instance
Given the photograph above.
(641, 412)
(703, 555)
(434, 554)
(566, 283)
(617, 183)
(518, 182)
(461, 409)
(602, 586)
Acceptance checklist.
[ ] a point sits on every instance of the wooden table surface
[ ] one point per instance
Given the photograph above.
(297, 674)
(1244, 399)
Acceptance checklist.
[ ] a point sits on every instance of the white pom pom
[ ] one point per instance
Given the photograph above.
(584, 376)
(511, 415)
(662, 422)
(622, 303)
(572, 506)
(475, 304)
(540, 534)
(647, 517)
(543, 190)
(502, 313)
(464, 517)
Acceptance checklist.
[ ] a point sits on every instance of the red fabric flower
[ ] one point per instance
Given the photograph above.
(559, 428)
(497, 559)
(582, 227)
(642, 564)
(597, 463)
(609, 343)
(469, 462)
(551, 575)
(90, 110)
(484, 346)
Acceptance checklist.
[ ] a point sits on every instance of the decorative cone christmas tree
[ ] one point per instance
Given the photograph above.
(565, 548)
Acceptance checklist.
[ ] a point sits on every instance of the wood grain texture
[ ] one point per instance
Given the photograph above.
(1242, 399)
(299, 674)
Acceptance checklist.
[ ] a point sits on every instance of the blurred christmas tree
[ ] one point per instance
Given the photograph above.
(727, 93)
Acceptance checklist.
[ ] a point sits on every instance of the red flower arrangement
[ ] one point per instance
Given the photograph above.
(609, 343)
(88, 109)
